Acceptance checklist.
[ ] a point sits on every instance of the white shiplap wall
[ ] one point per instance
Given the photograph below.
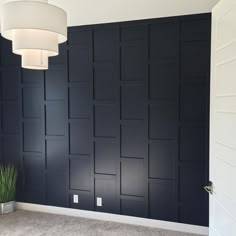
(223, 120)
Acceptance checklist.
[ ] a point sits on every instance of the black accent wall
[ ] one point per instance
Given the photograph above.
(121, 114)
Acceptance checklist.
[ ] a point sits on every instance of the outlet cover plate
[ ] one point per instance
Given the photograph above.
(99, 201)
(76, 198)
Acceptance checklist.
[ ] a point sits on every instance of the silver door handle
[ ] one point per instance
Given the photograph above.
(209, 188)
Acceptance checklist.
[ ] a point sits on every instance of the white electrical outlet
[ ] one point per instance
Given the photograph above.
(99, 201)
(76, 198)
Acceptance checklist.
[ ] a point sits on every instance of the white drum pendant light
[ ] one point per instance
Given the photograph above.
(35, 28)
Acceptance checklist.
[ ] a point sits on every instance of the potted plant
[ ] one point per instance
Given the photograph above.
(8, 177)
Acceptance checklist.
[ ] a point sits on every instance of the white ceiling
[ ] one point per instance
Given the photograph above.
(83, 12)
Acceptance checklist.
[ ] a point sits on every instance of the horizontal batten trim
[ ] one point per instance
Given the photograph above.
(124, 158)
(132, 198)
(97, 139)
(104, 176)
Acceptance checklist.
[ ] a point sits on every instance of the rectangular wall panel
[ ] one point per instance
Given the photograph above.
(106, 121)
(55, 118)
(79, 137)
(11, 154)
(80, 174)
(133, 140)
(133, 32)
(132, 177)
(55, 84)
(79, 102)
(163, 120)
(32, 102)
(163, 80)
(106, 43)
(163, 200)
(79, 36)
(133, 207)
(11, 119)
(80, 59)
(56, 155)
(32, 76)
(195, 29)
(164, 47)
(163, 157)
(105, 188)
(34, 186)
(56, 189)
(32, 132)
(107, 157)
(195, 58)
(10, 84)
(133, 60)
(191, 182)
(191, 187)
(34, 196)
(192, 103)
(193, 144)
(198, 217)
(133, 102)
(105, 79)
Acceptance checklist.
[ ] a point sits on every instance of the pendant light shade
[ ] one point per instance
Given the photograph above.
(36, 28)
(34, 39)
(35, 60)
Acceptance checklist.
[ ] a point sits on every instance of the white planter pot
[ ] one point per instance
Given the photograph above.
(7, 207)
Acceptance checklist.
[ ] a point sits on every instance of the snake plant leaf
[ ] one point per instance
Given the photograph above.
(8, 178)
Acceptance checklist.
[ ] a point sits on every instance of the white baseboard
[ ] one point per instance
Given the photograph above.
(192, 229)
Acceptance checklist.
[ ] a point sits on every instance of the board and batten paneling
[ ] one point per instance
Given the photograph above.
(121, 114)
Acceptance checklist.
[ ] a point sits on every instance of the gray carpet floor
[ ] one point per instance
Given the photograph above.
(22, 223)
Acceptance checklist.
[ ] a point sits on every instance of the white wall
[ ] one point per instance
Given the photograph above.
(83, 12)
